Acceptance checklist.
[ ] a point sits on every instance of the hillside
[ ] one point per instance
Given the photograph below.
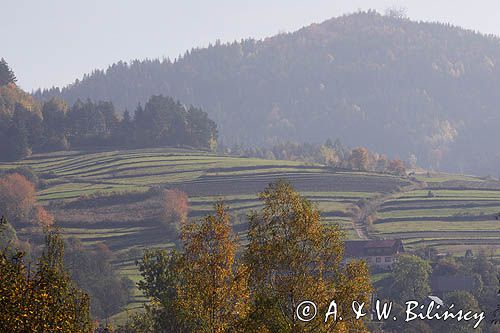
(115, 197)
(396, 86)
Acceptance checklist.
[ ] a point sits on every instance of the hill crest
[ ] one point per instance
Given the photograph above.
(397, 86)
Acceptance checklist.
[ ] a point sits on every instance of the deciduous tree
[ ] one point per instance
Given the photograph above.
(17, 197)
(293, 257)
(359, 158)
(214, 295)
(175, 209)
(43, 301)
(411, 278)
(201, 289)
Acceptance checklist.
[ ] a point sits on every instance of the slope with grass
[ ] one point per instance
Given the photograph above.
(115, 197)
(79, 188)
(450, 212)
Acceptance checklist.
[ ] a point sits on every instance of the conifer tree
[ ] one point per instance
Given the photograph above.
(6, 74)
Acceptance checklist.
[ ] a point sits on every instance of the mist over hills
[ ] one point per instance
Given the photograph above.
(393, 85)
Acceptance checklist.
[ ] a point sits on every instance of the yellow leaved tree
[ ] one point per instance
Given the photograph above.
(42, 301)
(294, 257)
(214, 295)
(199, 289)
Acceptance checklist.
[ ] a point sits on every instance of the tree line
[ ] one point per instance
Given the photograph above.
(331, 153)
(27, 126)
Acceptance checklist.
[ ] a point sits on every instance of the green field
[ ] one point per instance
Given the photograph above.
(106, 196)
(458, 213)
(113, 197)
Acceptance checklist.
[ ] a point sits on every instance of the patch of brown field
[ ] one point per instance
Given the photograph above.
(124, 213)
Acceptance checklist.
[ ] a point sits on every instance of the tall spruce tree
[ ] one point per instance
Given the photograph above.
(6, 74)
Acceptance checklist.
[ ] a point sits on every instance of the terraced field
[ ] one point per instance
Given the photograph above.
(112, 197)
(203, 176)
(452, 213)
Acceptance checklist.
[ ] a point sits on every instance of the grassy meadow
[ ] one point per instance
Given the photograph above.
(114, 197)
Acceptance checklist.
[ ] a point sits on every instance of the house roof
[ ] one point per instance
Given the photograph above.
(361, 248)
(447, 283)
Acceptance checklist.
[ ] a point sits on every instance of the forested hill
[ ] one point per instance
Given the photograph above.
(388, 83)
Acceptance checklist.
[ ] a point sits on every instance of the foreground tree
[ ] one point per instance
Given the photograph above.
(43, 301)
(203, 289)
(293, 257)
(214, 294)
(160, 273)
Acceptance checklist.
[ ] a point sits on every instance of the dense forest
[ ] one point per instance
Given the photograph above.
(398, 86)
(27, 126)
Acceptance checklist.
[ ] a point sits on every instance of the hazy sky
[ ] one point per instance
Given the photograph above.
(52, 42)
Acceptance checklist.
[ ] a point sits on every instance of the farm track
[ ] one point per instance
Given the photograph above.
(361, 218)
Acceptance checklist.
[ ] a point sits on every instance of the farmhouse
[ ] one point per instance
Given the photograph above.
(376, 253)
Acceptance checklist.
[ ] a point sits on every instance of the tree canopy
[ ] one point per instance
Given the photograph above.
(42, 301)
(290, 257)
(27, 127)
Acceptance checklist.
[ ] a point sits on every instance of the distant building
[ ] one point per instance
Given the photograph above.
(441, 285)
(376, 253)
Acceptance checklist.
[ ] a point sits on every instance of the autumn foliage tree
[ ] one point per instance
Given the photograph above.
(293, 257)
(42, 301)
(17, 197)
(42, 217)
(214, 294)
(359, 158)
(18, 202)
(204, 287)
(397, 167)
(175, 209)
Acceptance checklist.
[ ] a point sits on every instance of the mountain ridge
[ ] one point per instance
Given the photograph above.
(394, 85)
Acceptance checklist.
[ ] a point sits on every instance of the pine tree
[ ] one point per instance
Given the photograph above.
(6, 74)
